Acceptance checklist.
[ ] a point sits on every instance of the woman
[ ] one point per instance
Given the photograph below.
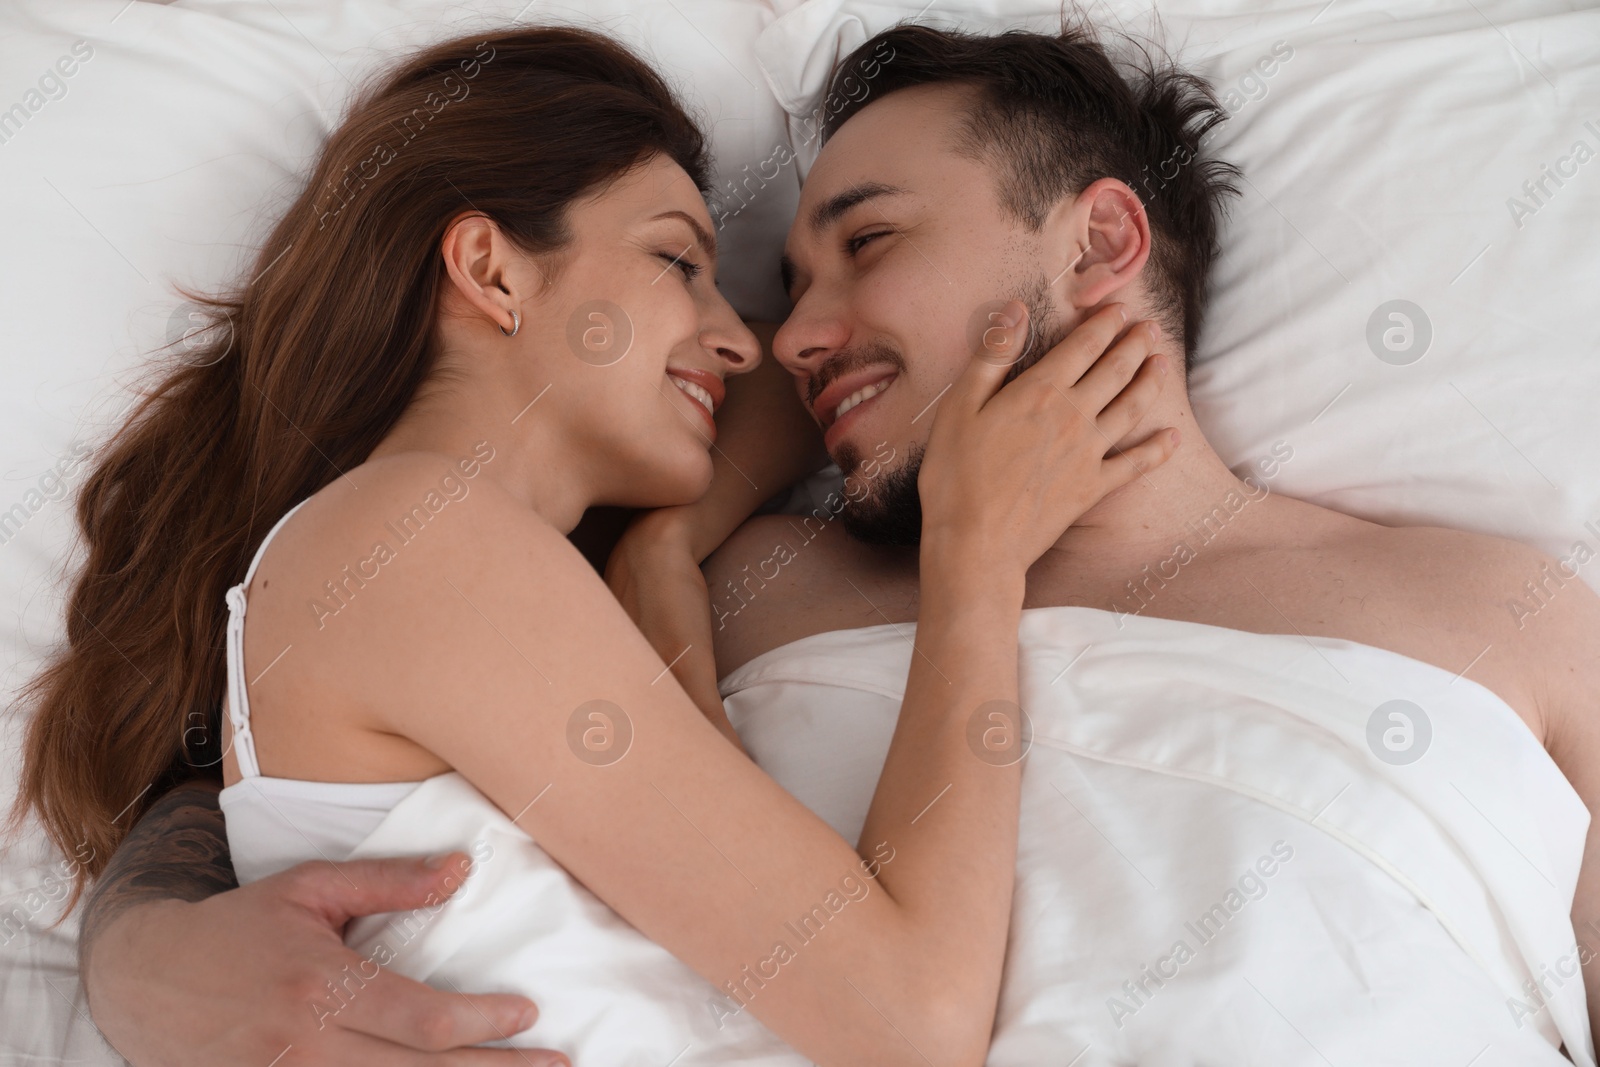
(492, 308)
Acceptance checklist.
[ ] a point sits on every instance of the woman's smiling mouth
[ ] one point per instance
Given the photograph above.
(702, 387)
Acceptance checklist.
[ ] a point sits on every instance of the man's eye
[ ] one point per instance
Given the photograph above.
(691, 270)
(855, 244)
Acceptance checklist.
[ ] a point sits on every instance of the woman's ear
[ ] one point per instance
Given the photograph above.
(1104, 240)
(480, 263)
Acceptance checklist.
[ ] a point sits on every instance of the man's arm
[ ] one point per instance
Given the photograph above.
(178, 851)
(184, 968)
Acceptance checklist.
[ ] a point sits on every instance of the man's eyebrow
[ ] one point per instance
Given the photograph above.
(707, 240)
(833, 209)
(830, 210)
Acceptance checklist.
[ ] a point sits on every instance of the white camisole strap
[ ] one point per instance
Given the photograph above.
(244, 743)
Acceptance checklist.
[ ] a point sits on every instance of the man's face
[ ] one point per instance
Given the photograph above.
(899, 255)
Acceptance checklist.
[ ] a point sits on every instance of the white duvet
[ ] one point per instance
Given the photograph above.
(1230, 853)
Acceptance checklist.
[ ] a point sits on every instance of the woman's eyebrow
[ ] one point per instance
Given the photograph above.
(707, 240)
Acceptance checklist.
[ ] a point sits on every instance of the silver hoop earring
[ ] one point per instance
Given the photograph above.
(516, 324)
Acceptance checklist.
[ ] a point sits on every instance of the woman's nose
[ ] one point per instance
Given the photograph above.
(731, 340)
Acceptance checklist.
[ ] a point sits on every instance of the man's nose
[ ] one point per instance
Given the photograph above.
(809, 336)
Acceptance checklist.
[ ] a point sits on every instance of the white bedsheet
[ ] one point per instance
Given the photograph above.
(1188, 786)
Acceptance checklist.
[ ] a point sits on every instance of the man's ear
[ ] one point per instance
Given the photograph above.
(1104, 240)
(482, 267)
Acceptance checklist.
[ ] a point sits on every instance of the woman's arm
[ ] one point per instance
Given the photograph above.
(766, 441)
(184, 969)
(495, 647)
(524, 655)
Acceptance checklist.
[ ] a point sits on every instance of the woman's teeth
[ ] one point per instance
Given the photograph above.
(866, 392)
(696, 392)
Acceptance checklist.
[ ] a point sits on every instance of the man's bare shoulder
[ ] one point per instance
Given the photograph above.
(779, 578)
(1527, 621)
(1494, 585)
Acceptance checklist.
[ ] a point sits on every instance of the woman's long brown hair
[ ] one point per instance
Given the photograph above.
(305, 369)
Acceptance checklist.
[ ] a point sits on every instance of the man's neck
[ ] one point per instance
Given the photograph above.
(1193, 498)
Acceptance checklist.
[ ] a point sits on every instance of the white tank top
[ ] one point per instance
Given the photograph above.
(275, 823)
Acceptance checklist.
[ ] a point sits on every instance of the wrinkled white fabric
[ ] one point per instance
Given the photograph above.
(1187, 786)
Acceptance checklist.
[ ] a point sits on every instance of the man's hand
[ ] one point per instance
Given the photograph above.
(260, 976)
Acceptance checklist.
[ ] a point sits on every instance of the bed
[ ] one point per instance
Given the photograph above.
(1405, 304)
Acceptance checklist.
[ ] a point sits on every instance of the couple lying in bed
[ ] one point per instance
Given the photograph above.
(1294, 790)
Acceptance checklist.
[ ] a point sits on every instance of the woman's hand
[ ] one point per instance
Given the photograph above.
(1010, 467)
(653, 572)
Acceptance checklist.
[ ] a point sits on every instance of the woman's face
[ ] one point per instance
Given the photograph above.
(635, 341)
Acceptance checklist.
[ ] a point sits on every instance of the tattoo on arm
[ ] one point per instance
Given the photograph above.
(178, 851)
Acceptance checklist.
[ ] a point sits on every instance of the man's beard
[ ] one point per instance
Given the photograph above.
(890, 512)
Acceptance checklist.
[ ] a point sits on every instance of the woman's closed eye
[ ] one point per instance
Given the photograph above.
(691, 270)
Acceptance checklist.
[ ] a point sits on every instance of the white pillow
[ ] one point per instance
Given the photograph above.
(161, 149)
(1385, 147)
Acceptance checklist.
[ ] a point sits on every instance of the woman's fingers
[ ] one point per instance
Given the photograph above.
(1112, 372)
(1124, 412)
(999, 346)
(1123, 467)
(1011, 468)
(1076, 354)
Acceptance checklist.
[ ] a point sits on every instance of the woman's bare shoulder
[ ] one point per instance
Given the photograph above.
(396, 567)
(388, 505)
(371, 555)
(418, 486)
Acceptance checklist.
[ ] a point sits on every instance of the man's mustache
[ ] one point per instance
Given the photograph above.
(1044, 333)
(848, 361)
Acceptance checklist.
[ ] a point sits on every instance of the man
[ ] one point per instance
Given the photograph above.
(959, 183)
(968, 176)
